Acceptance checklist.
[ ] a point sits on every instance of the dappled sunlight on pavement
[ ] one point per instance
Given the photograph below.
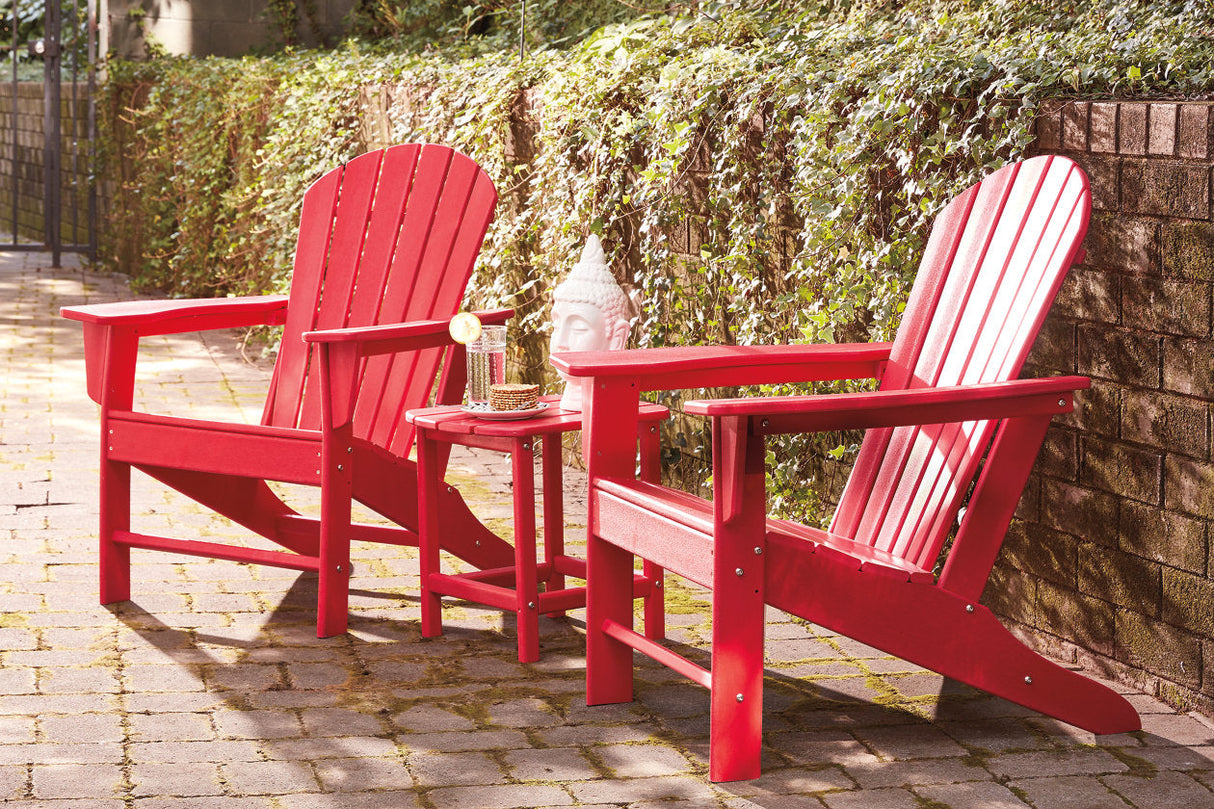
(210, 690)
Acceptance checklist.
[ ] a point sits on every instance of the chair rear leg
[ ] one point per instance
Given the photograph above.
(114, 558)
(650, 451)
(655, 601)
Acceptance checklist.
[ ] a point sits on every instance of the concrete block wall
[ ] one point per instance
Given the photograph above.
(1110, 562)
(21, 164)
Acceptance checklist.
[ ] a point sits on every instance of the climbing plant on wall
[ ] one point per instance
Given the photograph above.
(760, 171)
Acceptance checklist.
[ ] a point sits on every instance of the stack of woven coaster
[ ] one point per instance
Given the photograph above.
(513, 396)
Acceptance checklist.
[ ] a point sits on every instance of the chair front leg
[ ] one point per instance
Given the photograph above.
(739, 553)
(110, 355)
(338, 368)
(114, 557)
(610, 415)
(609, 675)
(336, 495)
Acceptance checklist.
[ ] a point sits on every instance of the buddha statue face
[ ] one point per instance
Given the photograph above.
(590, 312)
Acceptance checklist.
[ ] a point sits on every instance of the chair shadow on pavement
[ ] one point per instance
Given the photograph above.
(382, 692)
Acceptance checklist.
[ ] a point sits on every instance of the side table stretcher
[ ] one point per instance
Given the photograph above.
(517, 588)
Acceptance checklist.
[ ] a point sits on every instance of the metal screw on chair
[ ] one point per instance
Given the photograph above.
(740, 698)
(766, 422)
(758, 551)
(526, 446)
(1028, 680)
(1062, 402)
(740, 572)
(450, 490)
(530, 605)
(969, 608)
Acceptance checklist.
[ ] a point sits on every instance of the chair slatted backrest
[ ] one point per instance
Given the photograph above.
(392, 236)
(993, 265)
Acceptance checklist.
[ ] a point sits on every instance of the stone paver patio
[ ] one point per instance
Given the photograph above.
(210, 690)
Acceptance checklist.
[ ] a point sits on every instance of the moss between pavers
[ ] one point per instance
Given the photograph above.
(1140, 768)
(10, 620)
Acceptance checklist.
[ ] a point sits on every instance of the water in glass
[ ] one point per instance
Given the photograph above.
(486, 363)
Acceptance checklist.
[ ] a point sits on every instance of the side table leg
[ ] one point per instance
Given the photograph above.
(428, 483)
(526, 587)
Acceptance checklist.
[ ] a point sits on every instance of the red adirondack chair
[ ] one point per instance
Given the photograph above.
(386, 246)
(948, 399)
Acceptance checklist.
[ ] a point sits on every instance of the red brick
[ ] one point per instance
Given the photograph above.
(1189, 484)
(1049, 127)
(1132, 128)
(1059, 456)
(1168, 422)
(1098, 409)
(1187, 250)
(1124, 470)
(1103, 174)
(1164, 536)
(1123, 244)
(1186, 601)
(1168, 652)
(1082, 618)
(1161, 139)
(1047, 554)
(1188, 367)
(1075, 126)
(1194, 132)
(1121, 578)
(1090, 294)
(1165, 188)
(1079, 511)
(1120, 355)
(1054, 349)
(1166, 306)
(1103, 127)
(1029, 505)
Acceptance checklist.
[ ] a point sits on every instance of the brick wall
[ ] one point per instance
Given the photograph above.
(1110, 562)
(24, 167)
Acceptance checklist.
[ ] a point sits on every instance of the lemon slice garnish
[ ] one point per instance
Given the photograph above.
(465, 328)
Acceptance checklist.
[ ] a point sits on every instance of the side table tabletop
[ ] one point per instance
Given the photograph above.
(517, 587)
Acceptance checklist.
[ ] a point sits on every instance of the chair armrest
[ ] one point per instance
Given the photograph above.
(394, 337)
(892, 408)
(179, 316)
(682, 367)
(112, 332)
(342, 350)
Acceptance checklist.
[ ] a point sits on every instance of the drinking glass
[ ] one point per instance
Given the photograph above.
(486, 364)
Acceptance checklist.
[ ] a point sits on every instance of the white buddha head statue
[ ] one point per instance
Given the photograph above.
(590, 312)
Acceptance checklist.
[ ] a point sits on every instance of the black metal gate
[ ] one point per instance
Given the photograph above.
(48, 199)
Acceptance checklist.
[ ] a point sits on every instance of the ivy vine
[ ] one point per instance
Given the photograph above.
(760, 171)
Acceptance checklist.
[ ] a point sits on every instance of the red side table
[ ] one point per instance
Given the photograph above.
(517, 587)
